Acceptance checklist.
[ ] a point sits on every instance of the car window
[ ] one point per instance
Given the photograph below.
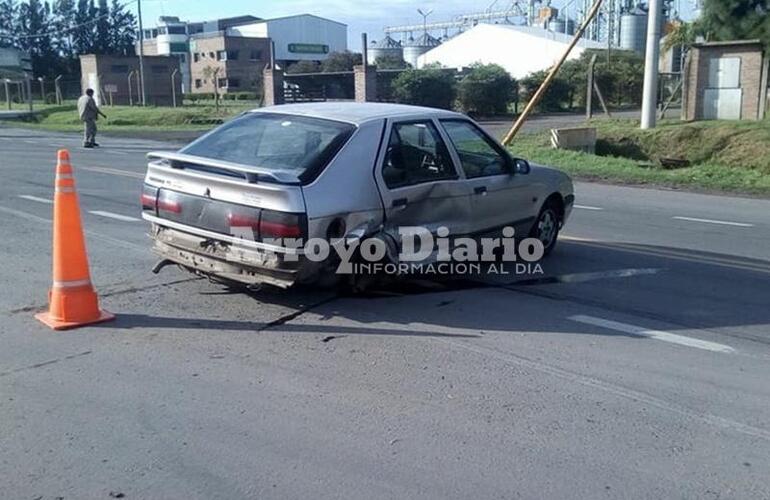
(273, 141)
(478, 156)
(416, 154)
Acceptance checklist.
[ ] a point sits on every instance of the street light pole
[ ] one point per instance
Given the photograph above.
(142, 93)
(650, 93)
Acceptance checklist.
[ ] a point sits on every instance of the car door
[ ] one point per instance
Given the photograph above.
(499, 197)
(419, 182)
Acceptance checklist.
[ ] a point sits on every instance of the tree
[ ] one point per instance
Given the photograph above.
(431, 86)
(304, 67)
(122, 29)
(8, 26)
(487, 89)
(391, 62)
(102, 29)
(736, 20)
(33, 27)
(83, 34)
(340, 61)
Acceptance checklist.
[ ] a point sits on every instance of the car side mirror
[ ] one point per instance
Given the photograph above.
(521, 166)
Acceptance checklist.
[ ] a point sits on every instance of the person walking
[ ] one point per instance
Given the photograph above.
(89, 112)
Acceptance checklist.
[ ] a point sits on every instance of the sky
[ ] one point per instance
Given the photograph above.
(368, 16)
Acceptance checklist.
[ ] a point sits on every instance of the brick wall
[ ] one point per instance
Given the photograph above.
(697, 77)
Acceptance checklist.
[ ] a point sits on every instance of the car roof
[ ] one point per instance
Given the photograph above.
(358, 112)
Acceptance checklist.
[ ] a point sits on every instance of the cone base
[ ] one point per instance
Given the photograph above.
(55, 324)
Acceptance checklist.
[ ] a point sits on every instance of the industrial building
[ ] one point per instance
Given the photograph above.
(620, 24)
(171, 37)
(115, 79)
(303, 37)
(14, 63)
(233, 63)
(240, 46)
(521, 50)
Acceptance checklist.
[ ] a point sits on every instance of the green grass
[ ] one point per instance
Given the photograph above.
(723, 156)
(127, 118)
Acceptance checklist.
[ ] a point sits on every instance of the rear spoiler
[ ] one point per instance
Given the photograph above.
(250, 173)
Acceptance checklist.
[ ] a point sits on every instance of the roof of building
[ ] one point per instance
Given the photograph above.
(301, 15)
(521, 50)
(728, 43)
(357, 113)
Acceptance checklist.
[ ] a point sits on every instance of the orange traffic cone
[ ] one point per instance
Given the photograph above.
(72, 299)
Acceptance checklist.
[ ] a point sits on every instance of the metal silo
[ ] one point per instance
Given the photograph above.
(386, 48)
(418, 47)
(633, 31)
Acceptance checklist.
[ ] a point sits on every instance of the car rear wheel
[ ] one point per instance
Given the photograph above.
(547, 226)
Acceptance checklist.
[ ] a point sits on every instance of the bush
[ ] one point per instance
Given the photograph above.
(486, 90)
(432, 87)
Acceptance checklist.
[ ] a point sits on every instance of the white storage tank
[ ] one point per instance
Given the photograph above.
(418, 47)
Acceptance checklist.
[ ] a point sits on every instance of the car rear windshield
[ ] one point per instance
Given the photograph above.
(273, 141)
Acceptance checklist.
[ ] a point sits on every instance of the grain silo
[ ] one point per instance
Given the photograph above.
(418, 47)
(387, 48)
(633, 31)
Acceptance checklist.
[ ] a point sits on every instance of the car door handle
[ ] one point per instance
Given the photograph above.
(400, 202)
(482, 190)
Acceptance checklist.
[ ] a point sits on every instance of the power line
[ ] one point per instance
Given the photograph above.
(64, 30)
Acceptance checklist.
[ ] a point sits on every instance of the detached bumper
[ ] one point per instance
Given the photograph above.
(227, 260)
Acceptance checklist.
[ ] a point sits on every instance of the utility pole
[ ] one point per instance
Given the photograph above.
(650, 93)
(142, 93)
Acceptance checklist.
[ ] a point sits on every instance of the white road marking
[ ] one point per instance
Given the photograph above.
(35, 198)
(99, 236)
(114, 171)
(587, 207)
(111, 215)
(653, 334)
(712, 221)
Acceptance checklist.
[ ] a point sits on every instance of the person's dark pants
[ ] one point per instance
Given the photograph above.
(89, 132)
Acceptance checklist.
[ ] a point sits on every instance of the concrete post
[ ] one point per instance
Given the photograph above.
(650, 93)
(365, 79)
(29, 92)
(42, 88)
(272, 84)
(7, 92)
(57, 85)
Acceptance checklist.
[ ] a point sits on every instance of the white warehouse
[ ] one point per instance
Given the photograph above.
(521, 50)
(300, 37)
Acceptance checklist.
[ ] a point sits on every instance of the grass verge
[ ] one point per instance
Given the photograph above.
(127, 118)
(724, 156)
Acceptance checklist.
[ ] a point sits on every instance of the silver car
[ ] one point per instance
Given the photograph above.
(338, 170)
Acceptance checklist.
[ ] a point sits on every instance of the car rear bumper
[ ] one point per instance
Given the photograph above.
(227, 260)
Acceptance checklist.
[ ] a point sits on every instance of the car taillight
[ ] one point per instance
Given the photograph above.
(281, 225)
(241, 220)
(149, 199)
(166, 203)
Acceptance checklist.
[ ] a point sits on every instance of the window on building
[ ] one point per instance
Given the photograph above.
(232, 55)
(177, 30)
(222, 83)
(178, 47)
(119, 68)
(212, 55)
(182, 58)
(222, 55)
(162, 30)
(256, 55)
(196, 57)
(198, 83)
(159, 69)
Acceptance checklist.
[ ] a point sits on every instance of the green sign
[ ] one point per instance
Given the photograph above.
(308, 48)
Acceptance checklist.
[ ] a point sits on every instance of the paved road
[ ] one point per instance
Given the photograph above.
(637, 368)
